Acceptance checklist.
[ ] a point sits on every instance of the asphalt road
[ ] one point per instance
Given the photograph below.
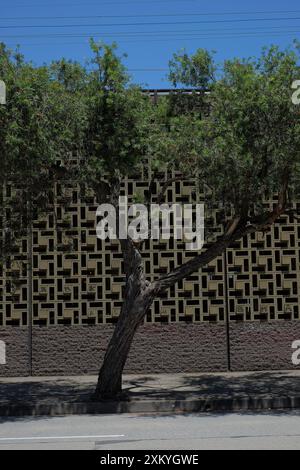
(155, 432)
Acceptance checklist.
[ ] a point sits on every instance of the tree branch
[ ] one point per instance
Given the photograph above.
(234, 232)
(167, 183)
(267, 220)
(202, 259)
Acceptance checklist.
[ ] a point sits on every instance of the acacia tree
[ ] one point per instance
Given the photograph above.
(238, 133)
(245, 149)
(40, 128)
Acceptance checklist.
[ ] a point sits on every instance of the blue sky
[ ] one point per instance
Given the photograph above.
(51, 29)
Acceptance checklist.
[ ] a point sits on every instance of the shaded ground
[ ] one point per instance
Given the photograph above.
(53, 390)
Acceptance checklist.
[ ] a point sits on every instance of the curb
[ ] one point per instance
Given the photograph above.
(204, 405)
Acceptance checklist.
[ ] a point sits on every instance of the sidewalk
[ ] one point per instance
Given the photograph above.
(53, 396)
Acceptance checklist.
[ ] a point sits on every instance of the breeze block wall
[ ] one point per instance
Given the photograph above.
(249, 296)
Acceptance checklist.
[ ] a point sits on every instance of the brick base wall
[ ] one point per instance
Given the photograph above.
(156, 348)
(17, 352)
(263, 346)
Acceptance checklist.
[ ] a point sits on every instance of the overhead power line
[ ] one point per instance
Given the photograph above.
(142, 34)
(153, 15)
(169, 31)
(216, 36)
(173, 37)
(79, 3)
(160, 23)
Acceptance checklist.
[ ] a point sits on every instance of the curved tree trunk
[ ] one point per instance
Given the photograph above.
(138, 299)
(110, 377)
(140, 293)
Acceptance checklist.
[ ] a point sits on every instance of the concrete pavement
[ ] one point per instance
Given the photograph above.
(52, 396)
(153, 432)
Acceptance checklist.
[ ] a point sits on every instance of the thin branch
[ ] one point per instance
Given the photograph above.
(167, 183)
(202, 259)
(234, 232)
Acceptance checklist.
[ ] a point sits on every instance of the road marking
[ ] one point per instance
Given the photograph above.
(37, 438)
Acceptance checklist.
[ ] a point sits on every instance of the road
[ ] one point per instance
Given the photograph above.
(156, 432)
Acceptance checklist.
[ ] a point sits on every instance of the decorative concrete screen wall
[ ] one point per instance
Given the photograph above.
(240, 312)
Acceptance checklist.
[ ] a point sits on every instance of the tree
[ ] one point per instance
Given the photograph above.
(245, 150)
(236, 133)
(40, 128)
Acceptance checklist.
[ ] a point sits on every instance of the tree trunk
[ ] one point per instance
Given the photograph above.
(138, 299)
(110, 377)
(140, 294)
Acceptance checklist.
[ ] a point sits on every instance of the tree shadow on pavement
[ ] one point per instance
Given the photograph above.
(53, 391)
(224, 385)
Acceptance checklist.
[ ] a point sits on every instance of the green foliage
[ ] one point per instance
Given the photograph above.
(237, 132)
(195, 71)
(117, 117)
(250, 140)
(38, 132)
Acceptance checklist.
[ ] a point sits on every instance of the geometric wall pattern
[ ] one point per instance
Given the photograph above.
(77, 279)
